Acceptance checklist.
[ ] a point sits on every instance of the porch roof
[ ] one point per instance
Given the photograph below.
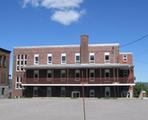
(61, 66)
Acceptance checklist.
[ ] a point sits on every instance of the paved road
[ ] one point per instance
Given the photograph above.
(71, 109)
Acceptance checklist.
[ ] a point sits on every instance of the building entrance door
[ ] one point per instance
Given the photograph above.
(35, 91)
(107, 91)
(75, 94)
(92, 93)
(49, 92)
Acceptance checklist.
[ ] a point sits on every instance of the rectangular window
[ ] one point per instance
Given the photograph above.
(36, 59)
(92, 75)
(107, 73)
(92, 57)
(49, 73)
(49, 59)
(36, 73)
(77, 57)
(125, 57)
(18, 83)
(107, 57)
(77, 74)
(125, 73)
(63, 73)
(63, 58)
(20, 63)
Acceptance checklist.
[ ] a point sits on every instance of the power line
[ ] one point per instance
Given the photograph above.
(133, 42)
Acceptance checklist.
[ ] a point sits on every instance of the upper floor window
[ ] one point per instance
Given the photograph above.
(107, 73)
(49, 73)
(36, 74)
(77, 74)
(107, 57)
(92, 74)
(36, 59)
(77, 57)
(92, 57)
(125, 73)
(63, 58)
(125, 57)
(49, 59)
(21, 61)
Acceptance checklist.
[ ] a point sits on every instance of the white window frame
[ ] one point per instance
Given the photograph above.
(91, 54)
(18, 83)
(21, 60)
(77, 54)
(77, 78)
(106, 54)
(91, 78)
(51, 72)
(36, 62)
(63, 55)
(125, 57)
(107, 71)
(36, 72)
(49, 55)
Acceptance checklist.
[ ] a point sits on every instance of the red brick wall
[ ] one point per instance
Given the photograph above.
(4, 69)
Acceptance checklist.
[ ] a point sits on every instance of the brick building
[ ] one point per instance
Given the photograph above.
(4, 72)
(62, 70)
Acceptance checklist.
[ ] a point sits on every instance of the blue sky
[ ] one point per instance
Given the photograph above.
(27, 23)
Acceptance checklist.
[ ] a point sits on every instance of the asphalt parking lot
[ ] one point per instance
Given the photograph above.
(72, 109)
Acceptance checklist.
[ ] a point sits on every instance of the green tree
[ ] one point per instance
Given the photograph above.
(137, 89)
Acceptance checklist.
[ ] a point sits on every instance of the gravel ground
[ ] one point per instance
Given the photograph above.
(72, 109)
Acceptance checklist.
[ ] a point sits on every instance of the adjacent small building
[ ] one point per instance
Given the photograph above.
(61, 71)
(4, 72)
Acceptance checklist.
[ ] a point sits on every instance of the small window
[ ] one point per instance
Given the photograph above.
(36, 59)
(125, 57)
(36, 74)
(77, 74)
(18, 57)
(22, 57)
(63, 58)
(107, 73)
(26, 57)
(107, 57)
(77, 57)
(49, 74)
(18, 84)
(92, 75)
(49, 59)
(91, 57)
(4, 61)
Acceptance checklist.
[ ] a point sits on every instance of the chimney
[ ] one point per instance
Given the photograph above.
(84, 49)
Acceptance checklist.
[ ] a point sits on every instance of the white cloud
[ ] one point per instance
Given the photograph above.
(66, 17)
(61, 4)
(64, 11)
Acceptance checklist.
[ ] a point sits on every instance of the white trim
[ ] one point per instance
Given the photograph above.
(77, 54)
(125, 53)
(76, 45)
(49, 55)
(114, 84)
(36, 62)
(63, 55)
(91, 54)
(109, 65)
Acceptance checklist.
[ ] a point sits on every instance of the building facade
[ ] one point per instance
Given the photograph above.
(92, 70)
(4, 72)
